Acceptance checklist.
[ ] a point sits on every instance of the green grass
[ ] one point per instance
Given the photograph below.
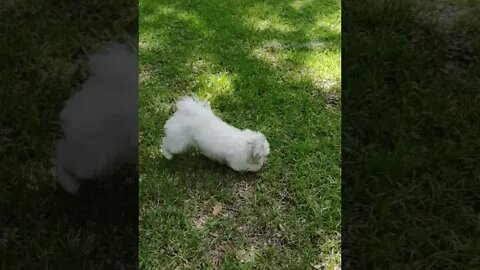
(42, 63)
(410, 137)
(272, 66)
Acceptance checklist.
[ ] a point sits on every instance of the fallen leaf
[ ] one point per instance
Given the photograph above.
(217, 208)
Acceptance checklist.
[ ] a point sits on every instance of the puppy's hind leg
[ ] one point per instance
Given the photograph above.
(66, 181)
(165, 152)
(172, 146)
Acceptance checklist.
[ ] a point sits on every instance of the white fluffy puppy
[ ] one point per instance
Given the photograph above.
(195, 125)
(99, 122)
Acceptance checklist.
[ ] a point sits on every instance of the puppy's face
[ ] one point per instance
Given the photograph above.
(260, 149)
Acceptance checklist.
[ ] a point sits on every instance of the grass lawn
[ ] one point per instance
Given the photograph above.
(272, 66)
(42, 60)
(410, 104)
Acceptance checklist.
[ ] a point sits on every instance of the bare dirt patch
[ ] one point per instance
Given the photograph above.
(445, 18)
(216, 255)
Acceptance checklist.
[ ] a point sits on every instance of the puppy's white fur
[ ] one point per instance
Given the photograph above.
(99, 122)
(195, 125)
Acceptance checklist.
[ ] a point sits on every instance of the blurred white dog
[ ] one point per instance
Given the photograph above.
(99, 122)
(195, 124)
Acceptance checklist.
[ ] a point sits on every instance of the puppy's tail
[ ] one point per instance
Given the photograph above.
(193, 106)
